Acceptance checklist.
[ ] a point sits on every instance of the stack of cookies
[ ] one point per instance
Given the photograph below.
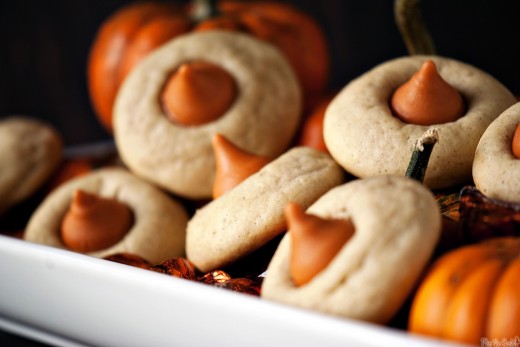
(176, 107)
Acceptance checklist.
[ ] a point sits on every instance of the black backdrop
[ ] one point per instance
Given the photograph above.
(44, 47)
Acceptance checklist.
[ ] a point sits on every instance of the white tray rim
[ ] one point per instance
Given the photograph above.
(56, 295)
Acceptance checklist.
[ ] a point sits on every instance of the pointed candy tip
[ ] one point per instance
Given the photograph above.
(427, 99)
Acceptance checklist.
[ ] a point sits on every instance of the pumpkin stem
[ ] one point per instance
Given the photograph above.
(411, 25)
(204, 9)
(421, 154)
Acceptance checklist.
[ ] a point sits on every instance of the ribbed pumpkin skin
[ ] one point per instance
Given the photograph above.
(471, 293)
(122, 40)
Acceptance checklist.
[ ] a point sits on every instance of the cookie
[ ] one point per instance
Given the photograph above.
(364, 136)
(159, 222)
(496, 171)
(397, 225)
(251, 214)
(30, 151)
(262, 119)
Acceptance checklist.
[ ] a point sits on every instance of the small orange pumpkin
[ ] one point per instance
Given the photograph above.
(471, 294)
(515, 146)
(69, 169)
(135, 30)
(311, 132)
(122, 40)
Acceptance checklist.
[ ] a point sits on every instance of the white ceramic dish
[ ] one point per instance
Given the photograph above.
(64, 298)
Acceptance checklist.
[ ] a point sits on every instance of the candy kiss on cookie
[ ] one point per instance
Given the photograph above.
(198, 93)
(108, 211)
(233, 164)
(427, 99)
(248, 106)
(397, 226)
(315, 241)
(94, 223)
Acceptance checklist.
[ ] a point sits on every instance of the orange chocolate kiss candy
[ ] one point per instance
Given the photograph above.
(198, 93)
(426, 99)
(515, 146)
(315, 242)
(233, 165)
(93, 223)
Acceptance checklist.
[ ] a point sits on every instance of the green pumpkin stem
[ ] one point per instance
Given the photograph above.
(204, 9)
(421, 154)
(410, 23)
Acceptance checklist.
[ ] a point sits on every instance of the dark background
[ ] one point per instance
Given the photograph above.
(44, 47)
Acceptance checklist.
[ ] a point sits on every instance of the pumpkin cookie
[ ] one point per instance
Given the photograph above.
(496, 170)
(251, 214)
(153, 224)
(30, 151)
(262, 107)
(396, 227)
(367, 139)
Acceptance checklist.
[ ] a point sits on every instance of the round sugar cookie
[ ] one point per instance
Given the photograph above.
(263, 118)
(364, 136)
(397, 225)
(30, 151)
(251, 214)
(496, 171)
(158, 231)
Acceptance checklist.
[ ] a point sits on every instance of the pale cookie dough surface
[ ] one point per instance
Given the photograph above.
(496, 171)
(367, 140)
(397, 225)
(30, 151)
(159, 229)
(248, 216)
(262, 120)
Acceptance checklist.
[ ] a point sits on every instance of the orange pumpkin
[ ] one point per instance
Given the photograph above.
(137, 29)
(122, 40)
(311, 132)
(515, 146)
(68, 170)
(471, 294)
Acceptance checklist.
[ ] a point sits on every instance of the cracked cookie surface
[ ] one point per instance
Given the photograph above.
(158, 230)
(263, 119)
(364, 136)
(251, 214)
